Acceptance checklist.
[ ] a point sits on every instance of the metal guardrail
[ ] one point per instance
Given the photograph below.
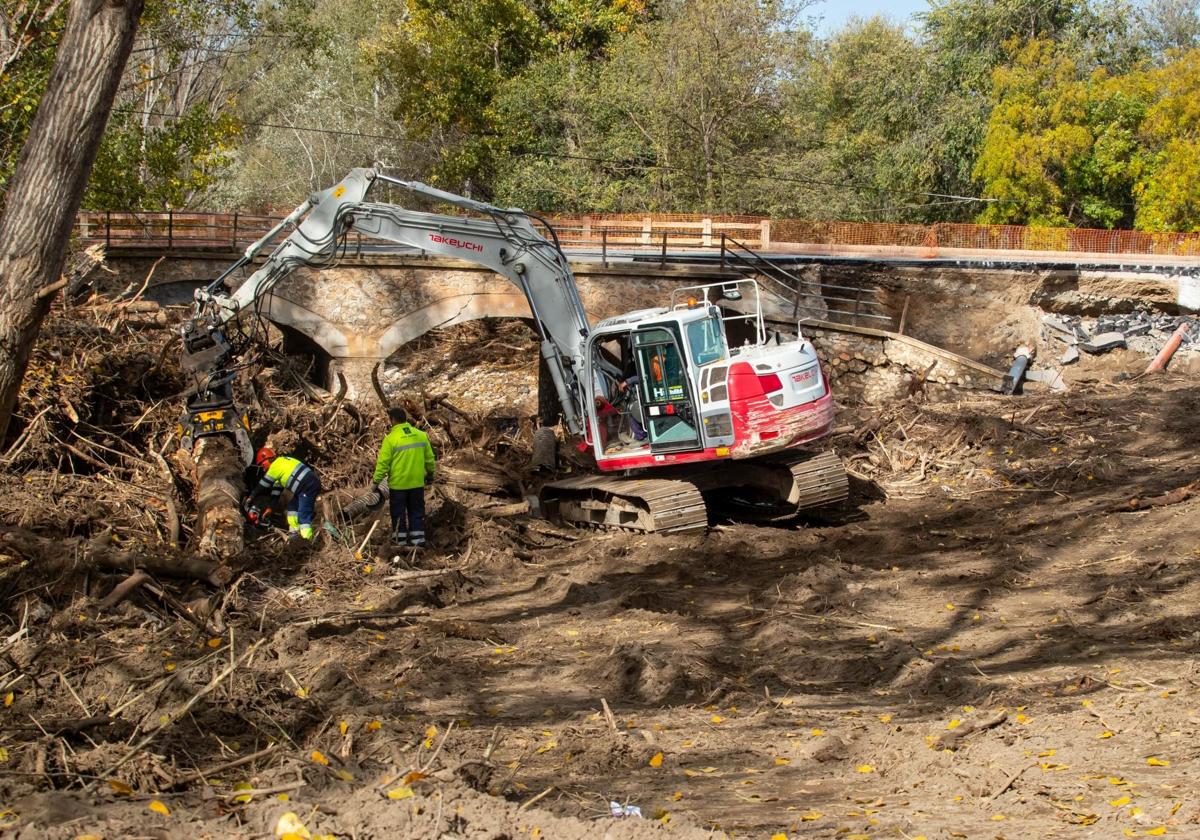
(817, 301)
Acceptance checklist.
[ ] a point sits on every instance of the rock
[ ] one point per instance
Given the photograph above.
(1070, 356)
(831, 749)
(1103, 343)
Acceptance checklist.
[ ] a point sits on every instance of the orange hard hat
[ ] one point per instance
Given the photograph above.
(264, 457)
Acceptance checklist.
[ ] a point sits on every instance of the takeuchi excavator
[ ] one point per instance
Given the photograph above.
(670, 407)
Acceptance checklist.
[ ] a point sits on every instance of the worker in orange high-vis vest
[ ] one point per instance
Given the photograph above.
(281, 473)
(406, 462)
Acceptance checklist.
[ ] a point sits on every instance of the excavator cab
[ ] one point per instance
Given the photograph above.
(665, 392)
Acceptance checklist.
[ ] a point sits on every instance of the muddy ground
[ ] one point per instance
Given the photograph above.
(995, 639)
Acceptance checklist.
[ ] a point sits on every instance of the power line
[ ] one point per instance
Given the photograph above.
(952, 198)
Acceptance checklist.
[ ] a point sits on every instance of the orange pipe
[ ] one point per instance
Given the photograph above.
(1165, 354)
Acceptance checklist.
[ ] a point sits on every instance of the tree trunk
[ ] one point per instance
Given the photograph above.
(51, 174)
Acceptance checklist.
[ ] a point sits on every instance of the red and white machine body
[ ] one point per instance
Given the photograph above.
(695, 396)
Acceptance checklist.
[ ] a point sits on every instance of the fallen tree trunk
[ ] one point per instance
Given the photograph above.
(55, 554)
(219, 490)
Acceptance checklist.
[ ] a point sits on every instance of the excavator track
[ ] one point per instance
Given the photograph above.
(817, 480)
(648, 505)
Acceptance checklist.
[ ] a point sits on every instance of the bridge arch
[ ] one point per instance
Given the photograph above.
(448, 311)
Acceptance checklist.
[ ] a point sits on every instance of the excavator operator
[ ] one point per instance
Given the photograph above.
(286, 473)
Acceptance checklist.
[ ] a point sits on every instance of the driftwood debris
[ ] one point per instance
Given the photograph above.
(217, 476)
(953, 739)
(59, 554)
(1172, 497)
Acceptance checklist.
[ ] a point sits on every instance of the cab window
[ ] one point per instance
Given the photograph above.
(706, 341)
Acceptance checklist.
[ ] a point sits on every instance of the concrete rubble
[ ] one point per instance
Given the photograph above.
(1140, 331)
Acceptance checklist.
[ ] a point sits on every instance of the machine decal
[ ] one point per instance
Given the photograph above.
(455, 243)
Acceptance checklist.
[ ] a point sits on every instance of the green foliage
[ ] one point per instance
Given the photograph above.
(142, 166)
(25, 65)
(1168, 175)
(1068, 149)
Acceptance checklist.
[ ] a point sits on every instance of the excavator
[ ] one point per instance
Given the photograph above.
(668, 402)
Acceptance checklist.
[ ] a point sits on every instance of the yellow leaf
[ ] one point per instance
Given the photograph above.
(535, 833)
(885, 718)
(954, 724)
(289, 825)
(244, 798)
(414, 776)
(998, 817)
(367, 569)
(1023, 718)
(708, 769)
(1106, 734)
(779, 836)
(319, 758)
(1136, 812)
(716, 719)
(811, 815)
(549, 745)
(400, 793)
(8, 699)
(1158, 762)
(119, 787)
(374, 726)
(1120, 802)
(345, 775)
(949, 606)
(214, 642)
(159, 808)
(431, 731)
(1046, 753)
(817, 733)
(677, 795)
(656, 759)
(865, 768)
(169, 666)
(3, 754)
(779, 762)
(1155, 832)
(343, 727)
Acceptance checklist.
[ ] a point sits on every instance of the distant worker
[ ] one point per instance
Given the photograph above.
(406, 461)
(282, 473)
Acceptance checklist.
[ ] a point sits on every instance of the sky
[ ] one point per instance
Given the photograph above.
(834, 13)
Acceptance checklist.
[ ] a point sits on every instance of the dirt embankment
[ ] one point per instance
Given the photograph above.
(992, 640)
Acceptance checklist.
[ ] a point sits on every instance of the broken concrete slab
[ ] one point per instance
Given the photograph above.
(1069, 357)
(1058, 325)
(1103, 343)
(1049, 377)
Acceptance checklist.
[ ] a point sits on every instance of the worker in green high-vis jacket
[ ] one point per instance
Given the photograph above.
(406, 461)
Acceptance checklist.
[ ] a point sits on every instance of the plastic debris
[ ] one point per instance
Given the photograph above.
(619, 810)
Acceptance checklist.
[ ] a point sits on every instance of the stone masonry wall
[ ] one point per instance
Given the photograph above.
(875, 367)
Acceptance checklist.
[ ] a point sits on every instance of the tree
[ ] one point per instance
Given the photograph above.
(51, 173)
(1167, 189)
(701, 87)
(447, 59)
(864, 110)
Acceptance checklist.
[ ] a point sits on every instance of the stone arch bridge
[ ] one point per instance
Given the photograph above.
(363, 310)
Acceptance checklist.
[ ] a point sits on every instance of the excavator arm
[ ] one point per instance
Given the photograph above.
(504, 240)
